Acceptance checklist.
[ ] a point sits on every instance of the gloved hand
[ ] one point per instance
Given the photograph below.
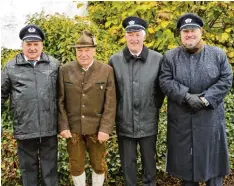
(194, 102)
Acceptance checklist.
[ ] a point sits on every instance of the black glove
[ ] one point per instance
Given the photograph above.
(194, 102)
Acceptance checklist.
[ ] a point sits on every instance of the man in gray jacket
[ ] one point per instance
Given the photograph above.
(139, 99)
(196, 77)
(30, 81)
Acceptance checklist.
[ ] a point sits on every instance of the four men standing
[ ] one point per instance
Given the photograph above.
(195, 77)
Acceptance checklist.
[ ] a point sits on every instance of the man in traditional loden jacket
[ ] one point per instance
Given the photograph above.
(196, 78)
(87, 104)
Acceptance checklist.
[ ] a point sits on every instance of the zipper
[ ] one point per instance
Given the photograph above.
(38, 107)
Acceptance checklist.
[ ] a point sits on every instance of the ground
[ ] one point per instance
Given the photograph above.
(165, 180)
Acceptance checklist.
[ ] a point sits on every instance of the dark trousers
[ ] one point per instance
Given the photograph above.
(128, 157)
(216, 181)
(35, 152)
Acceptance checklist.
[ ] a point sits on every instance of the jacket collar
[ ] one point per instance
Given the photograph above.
(20, 60)
(91, 68)
(143, 55)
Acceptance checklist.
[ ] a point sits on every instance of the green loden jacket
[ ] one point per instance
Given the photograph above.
(87, 99)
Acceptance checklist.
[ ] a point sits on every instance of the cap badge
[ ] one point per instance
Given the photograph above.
(31, 30)
(188, 20)
(131, 22)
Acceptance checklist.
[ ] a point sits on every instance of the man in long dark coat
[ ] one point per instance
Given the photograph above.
(196, 77)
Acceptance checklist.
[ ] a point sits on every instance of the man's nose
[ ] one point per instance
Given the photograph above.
(189, 34)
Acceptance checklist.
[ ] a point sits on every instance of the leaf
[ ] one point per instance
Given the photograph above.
(151, 30)
(224, 36)
(231, 54)
(164, 24)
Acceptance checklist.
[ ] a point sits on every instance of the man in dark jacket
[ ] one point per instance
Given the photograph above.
(136, 70)
(87, 105)
(30, 81)
(196, 77)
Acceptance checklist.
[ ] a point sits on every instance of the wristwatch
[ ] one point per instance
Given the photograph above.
(205, 101)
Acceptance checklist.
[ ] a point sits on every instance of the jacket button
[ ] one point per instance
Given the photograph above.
(83, 116)
(83, 94)
(82, 72)
(83, 105)
(82, 83)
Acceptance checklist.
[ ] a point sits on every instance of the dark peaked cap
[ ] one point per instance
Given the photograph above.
(31, 32)
(86, 39)
(134, 24)
(189, 20)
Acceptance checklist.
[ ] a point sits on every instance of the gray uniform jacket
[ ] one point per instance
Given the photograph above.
(139, 96)
(197, 143)
(33, 96)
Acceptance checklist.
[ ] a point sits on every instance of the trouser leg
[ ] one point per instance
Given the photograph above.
(97, 152)
(48, 160)
(216, 181)
(28, 161)
(128, 157)
(148, 159)
(76, 151)
(189, 183)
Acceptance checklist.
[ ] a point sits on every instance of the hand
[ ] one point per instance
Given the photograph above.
(102, 136)
(66, 134)
(194, 101)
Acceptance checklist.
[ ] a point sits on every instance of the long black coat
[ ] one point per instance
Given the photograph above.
(197, 143)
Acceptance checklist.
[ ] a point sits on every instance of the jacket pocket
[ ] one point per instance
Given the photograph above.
(68, 83)
(100, 85)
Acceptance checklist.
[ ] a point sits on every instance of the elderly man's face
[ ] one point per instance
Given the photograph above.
(32, 49)
(135, 41)
(190, 37)
(85, 56)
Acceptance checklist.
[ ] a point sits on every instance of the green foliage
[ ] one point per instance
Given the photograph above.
(9, 165)
(229, 108)
(7, 55)
(64, 33)
(162, 16)
(105, 21)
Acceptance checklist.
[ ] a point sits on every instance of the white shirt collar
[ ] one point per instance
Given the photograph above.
(86, 69)
(35, 60)
(137, 53)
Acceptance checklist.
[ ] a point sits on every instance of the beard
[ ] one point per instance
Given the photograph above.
(191, 45)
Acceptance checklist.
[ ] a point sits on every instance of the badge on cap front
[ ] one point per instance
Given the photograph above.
(188, 20)
(31, 30)
(131, 22)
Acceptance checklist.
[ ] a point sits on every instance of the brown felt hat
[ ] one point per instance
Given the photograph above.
(86, 39)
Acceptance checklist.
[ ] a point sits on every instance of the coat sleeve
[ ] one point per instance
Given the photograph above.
(174, 90)
(62, 114)
(5, 87)
(216, 93)
(159, 94)
(108, 116)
